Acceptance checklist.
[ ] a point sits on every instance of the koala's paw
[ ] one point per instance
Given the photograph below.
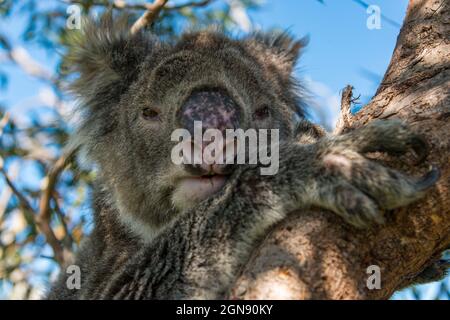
(360, 189)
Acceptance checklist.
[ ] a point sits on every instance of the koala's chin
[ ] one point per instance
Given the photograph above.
(190, 191)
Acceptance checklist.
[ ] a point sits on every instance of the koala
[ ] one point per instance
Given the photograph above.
(168, 231)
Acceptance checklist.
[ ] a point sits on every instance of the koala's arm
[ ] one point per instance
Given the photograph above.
(200, 255)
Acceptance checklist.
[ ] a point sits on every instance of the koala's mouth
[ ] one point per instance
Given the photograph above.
(193, 189)
(203, 186)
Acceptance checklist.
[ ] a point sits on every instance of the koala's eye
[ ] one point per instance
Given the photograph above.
(261, 113)
(150, 114)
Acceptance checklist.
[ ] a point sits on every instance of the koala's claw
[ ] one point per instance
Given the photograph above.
(386, 189)
(429, 179)
(420, 148)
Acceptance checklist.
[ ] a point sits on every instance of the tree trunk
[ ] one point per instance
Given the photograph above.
(314, 255)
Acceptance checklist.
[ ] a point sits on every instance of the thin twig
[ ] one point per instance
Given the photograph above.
(116, 4)
(23, 59)
(24, 203)
(60, 254)
(120, 5)
(43, 217)
(6, 194)
(4, 122)
(152, 10)
(149, 16)
(43, 225)
(49, 185)
(191, 4)
(346, 102)
(68, 239)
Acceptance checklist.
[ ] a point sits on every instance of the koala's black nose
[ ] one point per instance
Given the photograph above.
(214, 108)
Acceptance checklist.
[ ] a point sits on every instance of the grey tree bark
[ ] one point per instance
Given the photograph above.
(314, 255)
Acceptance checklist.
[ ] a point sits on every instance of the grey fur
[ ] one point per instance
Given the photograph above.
(142, 245)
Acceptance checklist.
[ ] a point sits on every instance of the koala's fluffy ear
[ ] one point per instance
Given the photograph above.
(106, 58)
(277, 49)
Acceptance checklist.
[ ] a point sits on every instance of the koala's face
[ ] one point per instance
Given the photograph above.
(152, 89)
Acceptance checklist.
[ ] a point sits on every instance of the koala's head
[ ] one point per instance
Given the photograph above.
(135, 90)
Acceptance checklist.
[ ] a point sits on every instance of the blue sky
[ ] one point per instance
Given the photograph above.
(341, 45)
(342, 50)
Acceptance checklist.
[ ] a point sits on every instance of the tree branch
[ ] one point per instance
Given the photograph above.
(24, 203)
(68, 239)
(152, 10)
(41, 218)
(346, 103)
(190, 4)
(149, 16)
(42, 222)
(120, 5)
